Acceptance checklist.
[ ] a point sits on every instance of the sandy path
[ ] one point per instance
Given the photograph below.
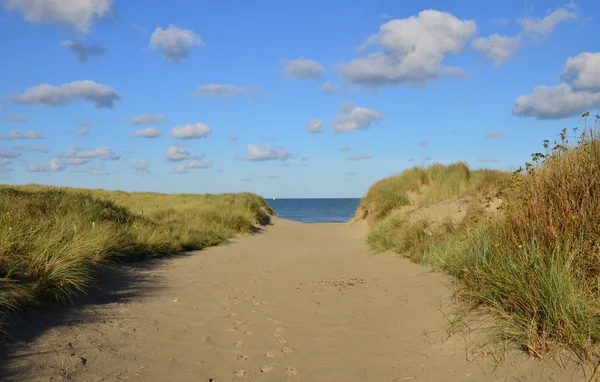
(297, 302)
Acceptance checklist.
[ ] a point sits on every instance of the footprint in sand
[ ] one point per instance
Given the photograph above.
(230, 315)
(282, 340)
(240, 373)
(285, 350)
(242, 357)
(266, 368)
(291, 371)
(239, 323)
(238, 344)
(270, 354)
(248, 333)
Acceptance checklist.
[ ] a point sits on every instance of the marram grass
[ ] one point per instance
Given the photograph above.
(534, 264)
(53, 238)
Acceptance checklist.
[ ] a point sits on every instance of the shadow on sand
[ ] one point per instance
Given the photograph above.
(114, 284)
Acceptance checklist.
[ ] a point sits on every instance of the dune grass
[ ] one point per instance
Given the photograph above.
(53, 238)
(534, 263)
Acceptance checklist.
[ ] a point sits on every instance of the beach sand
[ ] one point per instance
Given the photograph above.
(296, 302)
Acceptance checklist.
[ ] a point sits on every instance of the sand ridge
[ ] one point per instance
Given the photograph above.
(296, 302)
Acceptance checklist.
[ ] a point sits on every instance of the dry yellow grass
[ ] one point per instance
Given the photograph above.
(53, 238)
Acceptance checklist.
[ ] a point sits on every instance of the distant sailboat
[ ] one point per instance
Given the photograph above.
(273, 198)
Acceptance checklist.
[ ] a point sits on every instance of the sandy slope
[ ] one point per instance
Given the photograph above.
(296, 302)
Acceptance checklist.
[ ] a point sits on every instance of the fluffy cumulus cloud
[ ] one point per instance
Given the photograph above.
(177, 153)
(255, 153)
(143, 119)
(498, 48)
(190, 131)
(359, 157)
(76, 156)
(179, 169)
(175, 43)
(17, 135)
(199, 164)
(223, 90)
(149, 132)
(302, 68)
(350, 117)
(413, 50)
(580, 91)
(84, 51)
(75, 14)
(48, 95)
(141, 165)
(582, 72)
(501, 49)
(54, 165)
(315, 126)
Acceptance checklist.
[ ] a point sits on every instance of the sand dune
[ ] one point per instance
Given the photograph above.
(296, 302)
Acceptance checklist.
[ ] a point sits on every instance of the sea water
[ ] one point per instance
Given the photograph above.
(315, 210)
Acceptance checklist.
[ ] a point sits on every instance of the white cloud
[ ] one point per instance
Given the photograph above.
(5, 162)
(141, 165)
(233, 138)
(74, 161)
(16, 118)
(315, 126)
(199, 164)
(494, 134)
(190, 131)
(542, 28)
(83, 131)
(360, 157)
(222, 90)
(77, 156)
(329, 88)
(257, 153)
(147, 118)
(555, 102)
(83, 51)
(17, 135)
(175, 43)
(44, 149)
(149, 132)
(345, 148)
(414, 49)
(75, 14)
(177, 153)
(97, 171)
(302, 68)
(98, 94)
(179, 169)
(501, 49)
(582, 72)
(53, 166)
(498, 48)
(5, 153)
(351, 118)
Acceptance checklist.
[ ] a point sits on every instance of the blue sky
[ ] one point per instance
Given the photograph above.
(286, 99)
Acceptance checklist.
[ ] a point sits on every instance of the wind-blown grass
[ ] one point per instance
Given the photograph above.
(53, 238)
(534, 264)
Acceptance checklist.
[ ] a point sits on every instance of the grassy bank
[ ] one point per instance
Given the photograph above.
(53, 238)
(534, 263)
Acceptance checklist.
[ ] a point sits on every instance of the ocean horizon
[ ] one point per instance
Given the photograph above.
(315, 210)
